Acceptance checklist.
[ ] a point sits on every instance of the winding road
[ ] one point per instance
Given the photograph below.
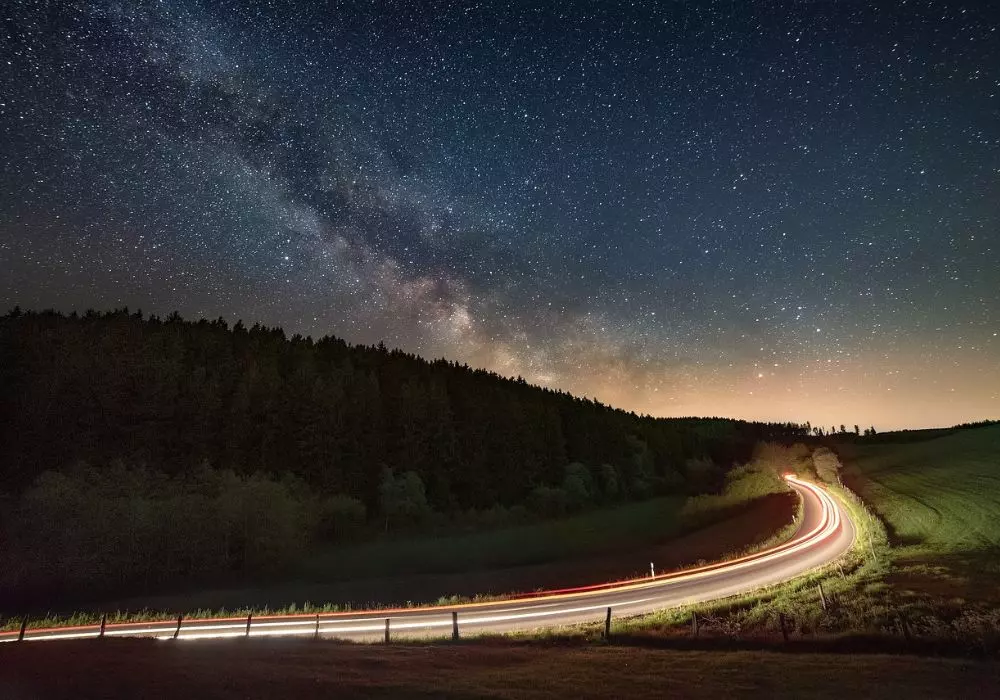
(823, 535)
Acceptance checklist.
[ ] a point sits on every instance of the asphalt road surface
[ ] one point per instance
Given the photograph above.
(824, 534)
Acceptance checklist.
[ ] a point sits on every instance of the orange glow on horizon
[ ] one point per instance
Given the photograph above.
(887, 391)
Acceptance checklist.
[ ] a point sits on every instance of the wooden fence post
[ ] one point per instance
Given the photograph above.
(249, 620)
(607, 625)
(177, 630)
(822, 596)
(387, 630)
(784, 627)
(104, 623)
(24, 627)
(454, 624)
(694, 624)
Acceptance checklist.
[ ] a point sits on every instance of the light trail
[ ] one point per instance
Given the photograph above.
(826, 534)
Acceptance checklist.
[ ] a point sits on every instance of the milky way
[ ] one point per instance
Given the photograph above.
(782, 210)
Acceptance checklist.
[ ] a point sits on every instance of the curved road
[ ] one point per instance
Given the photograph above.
(824, 534)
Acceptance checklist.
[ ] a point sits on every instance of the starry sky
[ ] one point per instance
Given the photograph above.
(768, 210)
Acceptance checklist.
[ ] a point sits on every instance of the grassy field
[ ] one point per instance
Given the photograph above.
(301, 669)
(602, 545)
(923, 576)
(596, 533)
(592, 533)
(940, 499)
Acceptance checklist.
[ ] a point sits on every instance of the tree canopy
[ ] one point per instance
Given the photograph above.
(171, 394)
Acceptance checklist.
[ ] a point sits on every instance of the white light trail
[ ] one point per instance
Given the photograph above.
(540, 607)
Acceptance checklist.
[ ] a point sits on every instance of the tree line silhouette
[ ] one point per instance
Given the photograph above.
(171, 394)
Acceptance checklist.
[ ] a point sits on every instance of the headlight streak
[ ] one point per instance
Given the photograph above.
(309, 628)
(533, 606)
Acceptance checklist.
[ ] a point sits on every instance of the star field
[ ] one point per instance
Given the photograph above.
(785, 210)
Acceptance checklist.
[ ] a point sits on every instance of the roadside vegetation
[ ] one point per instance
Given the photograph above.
(899, 588)
(601, 532)
(870, 600)
(754, 509)
(590, 534)
(757, 479)
(922, 575)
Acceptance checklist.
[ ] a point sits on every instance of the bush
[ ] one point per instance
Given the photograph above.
(610, 482)
(578, 485)
(743, 485)
(826, 464)
(403, 498)
(547, 502)
(339, 516)
(795, 458)
(91, 530)
(703, 475)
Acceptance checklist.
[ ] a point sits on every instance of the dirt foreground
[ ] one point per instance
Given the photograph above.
(296, 668)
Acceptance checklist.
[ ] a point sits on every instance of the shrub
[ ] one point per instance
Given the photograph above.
(610, 481)
(547, 501)
(578, 486)
(339, 516)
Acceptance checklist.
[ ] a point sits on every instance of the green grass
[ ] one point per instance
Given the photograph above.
(858, 600)
(940, 499)
(81, 618)
(848, 584)
(925, 566)
(593, 533)
(629, 526)
(743, 485)
(942, 494)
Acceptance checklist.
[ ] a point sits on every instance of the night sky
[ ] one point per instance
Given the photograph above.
(768, 210)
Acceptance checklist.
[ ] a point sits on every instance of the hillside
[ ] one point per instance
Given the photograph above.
(940, 498)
